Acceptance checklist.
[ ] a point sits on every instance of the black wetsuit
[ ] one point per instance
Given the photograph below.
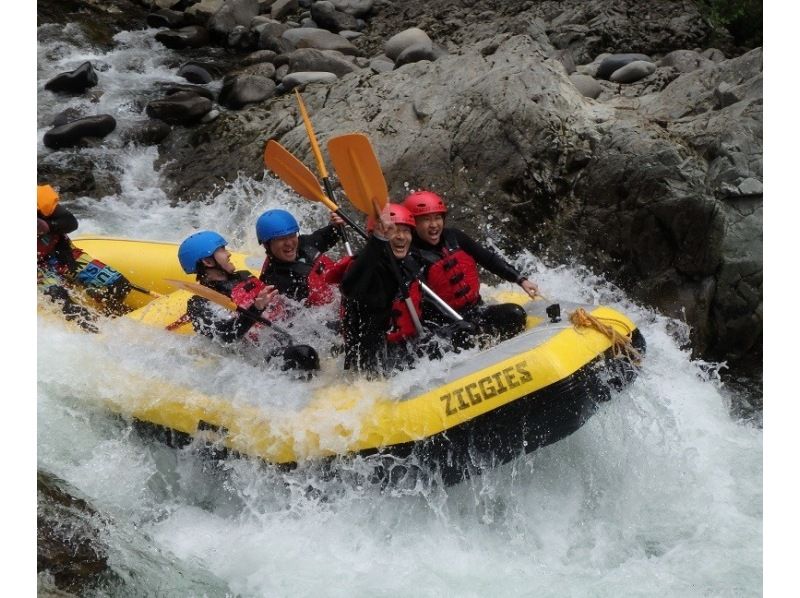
(208, 318)
(291, 278)
(502, 320)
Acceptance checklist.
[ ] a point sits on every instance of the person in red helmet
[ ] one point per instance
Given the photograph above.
(451, 259)
(378, 327)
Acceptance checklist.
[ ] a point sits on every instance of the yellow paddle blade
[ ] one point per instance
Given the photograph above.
(205, 292)
(292, 171)
(359, 171)
(312, 138)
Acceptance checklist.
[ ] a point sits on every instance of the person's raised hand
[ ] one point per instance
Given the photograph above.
(384, 226)
(336, 219)
(265, 297)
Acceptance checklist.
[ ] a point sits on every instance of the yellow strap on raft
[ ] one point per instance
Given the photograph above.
(621, 345)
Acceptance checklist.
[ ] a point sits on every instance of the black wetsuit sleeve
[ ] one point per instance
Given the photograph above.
(61, 221)
(487, 258)
(206, 320)
(323, 239)
(369, 280)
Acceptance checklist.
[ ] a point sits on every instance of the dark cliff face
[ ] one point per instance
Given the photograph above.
(656, 184)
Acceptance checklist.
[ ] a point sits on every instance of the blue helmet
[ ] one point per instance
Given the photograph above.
(197, 246)
(275, 223)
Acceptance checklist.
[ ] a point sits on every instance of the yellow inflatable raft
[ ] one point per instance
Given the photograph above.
(510, 399)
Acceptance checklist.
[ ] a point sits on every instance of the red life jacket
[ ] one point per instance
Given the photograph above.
(453, 273)
(45, 244)
(245, 292)
(287, 278)
(320, 291)
(402, 326)
(335, 273)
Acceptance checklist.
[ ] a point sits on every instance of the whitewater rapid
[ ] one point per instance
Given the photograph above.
(659, 494)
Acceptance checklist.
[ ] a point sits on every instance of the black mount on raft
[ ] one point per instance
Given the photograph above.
(554, 312)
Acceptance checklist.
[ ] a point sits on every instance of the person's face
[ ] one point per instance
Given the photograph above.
(223, 258)
(400, 240)
(284, 248)
(429, 227)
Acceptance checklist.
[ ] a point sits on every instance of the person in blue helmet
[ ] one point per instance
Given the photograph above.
(205, 254)
(296, 264)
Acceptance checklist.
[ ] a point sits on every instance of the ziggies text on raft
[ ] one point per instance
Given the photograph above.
(486, 388)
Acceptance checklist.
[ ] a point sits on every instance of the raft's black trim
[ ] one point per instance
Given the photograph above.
(499, 436)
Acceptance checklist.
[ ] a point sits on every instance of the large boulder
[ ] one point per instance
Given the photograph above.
(639, 190)
(181, 108)
(74, 82)
(309, 59)
(75, 132)
(321, 39)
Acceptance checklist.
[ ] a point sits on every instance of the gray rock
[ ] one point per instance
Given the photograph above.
(195, 72)
(150, 132)
(192, 36)
(684, 61)
(566, 60)
(210, 116)
(633, 71)
(195, 89)
(418, 52)
(165, 17)
(588, 86)
(713, 54)
(310, 59)
(320, 39)
(405, 39)
(259, 56)
(357, 8)
(261, 69)
(182, 108)
(350, 35)
(231, 14)
(309, 23)
(73, 82)
(67, 116)
(292, 80)
(327, 17)
(381, 64)
(204, 10)
(616, 61)
(165, 3)
(241, 38)
(240, 90)
(282, 8)
(75, 132)
(281, 72)
(271, 38)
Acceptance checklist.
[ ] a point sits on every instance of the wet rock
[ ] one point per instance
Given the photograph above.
(67, 116)
(405, 39)
(165, 17)
(588, 86)
(73, 133)
(241, 38)
(309, 59)
(150, 132)
(280, 9)
(69, 544)
(195, 72)
(320, 39)
(240, 90)
(73, 82)
(192, 36)
(632, 72)
(293, 80)
(202, 11)
(195, 89)
(269, 39)
(616, 61)
(324, 13)
(182, 108)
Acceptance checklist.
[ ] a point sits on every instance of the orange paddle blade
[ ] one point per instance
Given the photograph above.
(205, 292)
(292, 171)
(359, 172)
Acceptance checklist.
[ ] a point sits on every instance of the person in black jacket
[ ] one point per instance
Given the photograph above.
(62, 266)
(377, 324)
(204, 253)
(296, 264)
(451, 259)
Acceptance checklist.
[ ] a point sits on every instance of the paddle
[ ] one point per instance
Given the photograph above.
(323, 172)
(220, 299)
(145, 291)
(295, 174)
(362, 179)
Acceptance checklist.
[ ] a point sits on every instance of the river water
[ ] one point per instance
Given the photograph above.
(660, 493)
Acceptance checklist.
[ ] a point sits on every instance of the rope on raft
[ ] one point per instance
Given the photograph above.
(621, 345)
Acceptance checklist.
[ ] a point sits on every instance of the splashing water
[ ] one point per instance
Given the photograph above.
(660, 493)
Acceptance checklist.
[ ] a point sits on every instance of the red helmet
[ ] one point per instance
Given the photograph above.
(399, 215)
(425, 202)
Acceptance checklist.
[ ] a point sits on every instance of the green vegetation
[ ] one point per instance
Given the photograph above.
(743, 19)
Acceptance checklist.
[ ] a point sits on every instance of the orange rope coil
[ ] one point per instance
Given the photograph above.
(621, 345)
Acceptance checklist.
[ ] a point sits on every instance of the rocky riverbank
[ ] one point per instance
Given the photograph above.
(623, 136)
